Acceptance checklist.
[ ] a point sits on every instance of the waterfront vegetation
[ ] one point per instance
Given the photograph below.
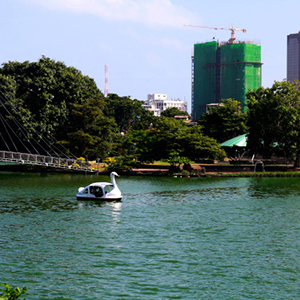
(12, 293)
(66, 108)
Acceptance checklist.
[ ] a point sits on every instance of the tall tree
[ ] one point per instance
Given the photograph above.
(44, 92)
(90, 132)
(274, 120)
(224, 121)
(16, 120)
(127, 113)
(47, 88)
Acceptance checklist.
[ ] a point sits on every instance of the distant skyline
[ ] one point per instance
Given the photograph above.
(144, 43)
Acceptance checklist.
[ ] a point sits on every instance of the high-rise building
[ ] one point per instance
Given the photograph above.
(223, 70)
(293, 57)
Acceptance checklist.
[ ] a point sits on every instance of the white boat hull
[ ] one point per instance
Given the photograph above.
(101, 191)
(98, 198)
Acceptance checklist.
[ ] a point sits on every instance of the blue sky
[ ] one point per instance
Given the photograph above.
(143, 42)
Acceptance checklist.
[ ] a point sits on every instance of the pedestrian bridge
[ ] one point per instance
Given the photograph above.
(46, 161)
(17, 143)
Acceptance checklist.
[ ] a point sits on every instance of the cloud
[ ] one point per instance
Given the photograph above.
(155, 41)
(148, 12)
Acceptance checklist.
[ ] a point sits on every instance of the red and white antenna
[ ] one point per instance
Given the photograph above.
(106, 81)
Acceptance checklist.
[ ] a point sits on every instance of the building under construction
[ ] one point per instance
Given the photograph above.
(223, 70)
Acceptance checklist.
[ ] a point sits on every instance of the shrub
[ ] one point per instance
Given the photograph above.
(10, 293)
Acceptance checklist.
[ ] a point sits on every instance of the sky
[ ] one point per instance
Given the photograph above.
(144, 43)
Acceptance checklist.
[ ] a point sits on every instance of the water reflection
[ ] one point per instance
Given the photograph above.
(116, 207)
(86, 203)
(263, 188)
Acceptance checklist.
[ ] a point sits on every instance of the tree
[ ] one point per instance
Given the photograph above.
(168, 136)
(13, 112)
(90, 133)
(195, 145)
(172, 112)
(127, 113)
(44, 92)
(224, 121)
(274, 120)
(47, 89)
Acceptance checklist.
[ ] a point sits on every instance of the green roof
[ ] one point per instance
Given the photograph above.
(239, 141)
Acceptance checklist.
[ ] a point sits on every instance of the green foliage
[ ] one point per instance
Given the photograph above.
(90, 133)
(274, 120)
(128, 114)
(43, 92)
(175, 160)
(168, 136)
(224, 121)
(122, 163)
(8, 86)
(60, 103)
(16, 109)
(11, 293)
(172, 112)
(197, 146)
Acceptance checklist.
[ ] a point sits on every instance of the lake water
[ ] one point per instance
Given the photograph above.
(170, 238)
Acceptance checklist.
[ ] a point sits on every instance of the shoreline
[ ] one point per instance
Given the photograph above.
(205, 171)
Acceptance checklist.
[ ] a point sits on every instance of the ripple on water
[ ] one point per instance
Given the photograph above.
(168, 239)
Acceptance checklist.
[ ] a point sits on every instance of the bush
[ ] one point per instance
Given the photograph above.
(122, 163)
(10, 293)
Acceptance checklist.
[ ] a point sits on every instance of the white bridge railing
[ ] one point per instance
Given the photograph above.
(47, 161)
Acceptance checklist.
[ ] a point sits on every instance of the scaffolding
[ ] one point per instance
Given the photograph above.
(204, 73)
(240, 70)
(222, 71)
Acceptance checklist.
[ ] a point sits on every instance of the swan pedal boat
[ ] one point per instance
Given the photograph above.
(103, 191)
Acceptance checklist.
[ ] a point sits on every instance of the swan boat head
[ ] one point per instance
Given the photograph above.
(104, 191)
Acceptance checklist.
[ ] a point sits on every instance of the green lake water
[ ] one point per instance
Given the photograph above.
(170, 238)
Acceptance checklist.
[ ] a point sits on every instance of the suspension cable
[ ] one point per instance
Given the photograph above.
(3, 123)
(21, 128)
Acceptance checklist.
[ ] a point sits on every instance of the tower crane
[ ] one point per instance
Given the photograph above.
(231, 40)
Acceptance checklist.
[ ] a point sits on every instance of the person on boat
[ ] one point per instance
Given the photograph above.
(98, 192)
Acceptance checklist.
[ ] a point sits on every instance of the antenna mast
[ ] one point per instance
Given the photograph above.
(106, 81)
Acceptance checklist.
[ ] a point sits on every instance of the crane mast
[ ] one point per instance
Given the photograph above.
(233, 30)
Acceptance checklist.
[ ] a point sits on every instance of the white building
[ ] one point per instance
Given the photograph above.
(159, 102)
